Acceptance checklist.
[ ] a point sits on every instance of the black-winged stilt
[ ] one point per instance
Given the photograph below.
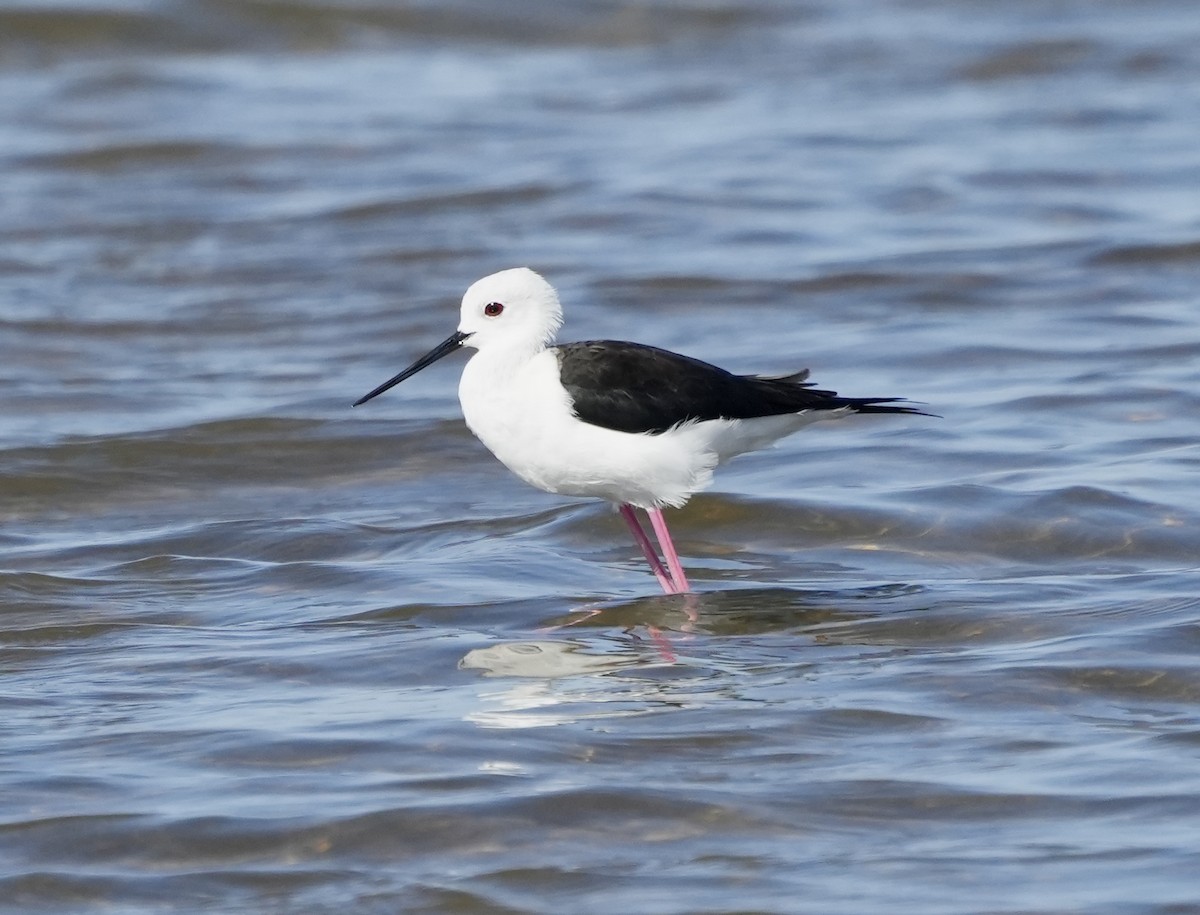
(638, 426)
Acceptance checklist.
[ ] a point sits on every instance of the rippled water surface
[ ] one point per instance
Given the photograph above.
(262, 653)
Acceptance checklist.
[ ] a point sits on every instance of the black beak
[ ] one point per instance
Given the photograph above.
(445, 348)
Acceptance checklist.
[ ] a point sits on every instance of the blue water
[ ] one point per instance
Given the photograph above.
(263, 653)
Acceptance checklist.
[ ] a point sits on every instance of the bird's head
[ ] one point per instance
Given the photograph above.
(513, 308)
(514, 311)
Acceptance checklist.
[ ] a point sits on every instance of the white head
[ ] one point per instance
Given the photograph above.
(515, 311)
(514, 308)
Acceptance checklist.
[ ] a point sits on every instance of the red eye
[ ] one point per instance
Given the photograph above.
(491, 309)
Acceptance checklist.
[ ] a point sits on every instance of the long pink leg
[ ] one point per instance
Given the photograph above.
(664, 540)
(648, 551)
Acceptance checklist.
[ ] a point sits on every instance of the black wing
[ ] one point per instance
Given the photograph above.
(631, 387)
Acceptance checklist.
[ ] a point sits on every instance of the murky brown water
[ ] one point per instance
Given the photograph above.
(260, 653)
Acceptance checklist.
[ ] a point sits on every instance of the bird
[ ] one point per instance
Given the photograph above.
(632, 424)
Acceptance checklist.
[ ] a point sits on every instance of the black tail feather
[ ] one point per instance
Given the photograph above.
(794, 392)
(882, 405)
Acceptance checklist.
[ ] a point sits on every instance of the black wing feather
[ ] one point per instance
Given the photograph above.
(631, 387)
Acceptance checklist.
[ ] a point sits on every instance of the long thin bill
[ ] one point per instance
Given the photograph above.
(445, 348)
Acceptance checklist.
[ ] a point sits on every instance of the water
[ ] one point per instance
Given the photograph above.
(262, 653)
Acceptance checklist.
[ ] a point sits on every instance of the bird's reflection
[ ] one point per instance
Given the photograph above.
(656, 630)
(638, 657)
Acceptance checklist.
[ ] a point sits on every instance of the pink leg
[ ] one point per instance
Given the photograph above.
(643, 541)
(665, 651)
(664, 540)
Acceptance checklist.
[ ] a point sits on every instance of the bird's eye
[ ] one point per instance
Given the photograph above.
(491, 309)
